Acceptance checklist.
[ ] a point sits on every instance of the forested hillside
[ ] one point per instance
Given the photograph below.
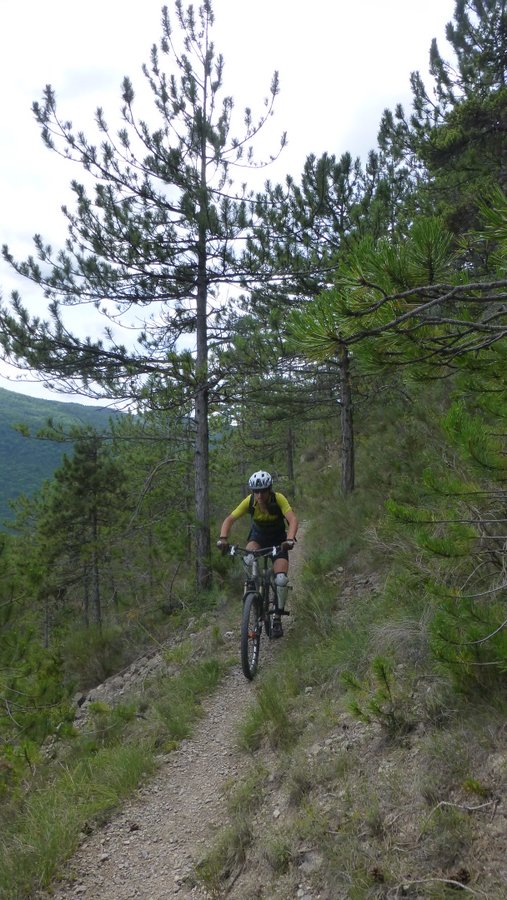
(349, 335)
(26, 461)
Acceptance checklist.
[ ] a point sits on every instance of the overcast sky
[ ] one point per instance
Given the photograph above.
(340, 65)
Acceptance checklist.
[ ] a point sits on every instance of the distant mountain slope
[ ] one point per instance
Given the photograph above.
(26, 462)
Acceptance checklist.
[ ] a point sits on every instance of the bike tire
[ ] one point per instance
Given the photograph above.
(269, 608)
(250, 635)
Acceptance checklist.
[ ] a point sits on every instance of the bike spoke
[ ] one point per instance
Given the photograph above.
(250, 635)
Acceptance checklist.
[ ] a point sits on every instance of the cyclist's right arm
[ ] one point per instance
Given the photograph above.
(229, 521)
(226, 527)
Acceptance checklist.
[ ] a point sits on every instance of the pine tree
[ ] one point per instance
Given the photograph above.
(478, 37)
(460, 133)
(158, 235)
(86, 498)
(33, 691)
(297, 232)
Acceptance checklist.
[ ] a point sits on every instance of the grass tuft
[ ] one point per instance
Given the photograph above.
(226, 858)
(47, 830)
(97, 770)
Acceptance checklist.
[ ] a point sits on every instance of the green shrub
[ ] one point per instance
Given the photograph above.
(379, 699)
(92, 655)
(470, 643)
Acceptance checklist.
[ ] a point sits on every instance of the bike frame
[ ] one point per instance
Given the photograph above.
(259, 603)
(260, 577)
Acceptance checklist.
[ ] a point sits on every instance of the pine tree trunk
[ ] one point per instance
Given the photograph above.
(86, 597)
(97, 604)
(202, 534)
(189, 496)
(290, 458)
(347, 448)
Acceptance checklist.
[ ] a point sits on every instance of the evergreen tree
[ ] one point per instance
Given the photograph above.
(478, 37)
(300, 229)
(154, 539)
(33, 693)
(455, 519)
(458, 131)
(159, 236)
(86, 499)
(371, 310)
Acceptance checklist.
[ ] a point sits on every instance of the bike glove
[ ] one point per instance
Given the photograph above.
(288, 545)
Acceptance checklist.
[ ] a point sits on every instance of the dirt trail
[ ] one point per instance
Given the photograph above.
(148, 850)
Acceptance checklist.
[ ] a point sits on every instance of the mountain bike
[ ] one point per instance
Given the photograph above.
(260, 603)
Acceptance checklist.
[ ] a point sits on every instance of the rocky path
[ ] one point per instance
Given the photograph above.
(148, 850)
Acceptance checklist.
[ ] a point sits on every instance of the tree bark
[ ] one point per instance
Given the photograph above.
(290, 458)
(202, 535)
(347, 447)
(97, 603)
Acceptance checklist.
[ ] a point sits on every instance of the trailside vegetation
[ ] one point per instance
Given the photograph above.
(363, 362)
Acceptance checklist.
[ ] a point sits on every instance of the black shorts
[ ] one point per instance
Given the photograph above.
(266, 538)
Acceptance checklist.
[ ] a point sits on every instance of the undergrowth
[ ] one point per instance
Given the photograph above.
(379, 734)
(376, 729)
(95, 770)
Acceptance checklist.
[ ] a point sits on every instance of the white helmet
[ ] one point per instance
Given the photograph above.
(260, 480)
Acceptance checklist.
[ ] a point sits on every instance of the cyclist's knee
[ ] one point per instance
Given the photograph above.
(281, 584)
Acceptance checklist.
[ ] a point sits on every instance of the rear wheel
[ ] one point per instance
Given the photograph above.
(250, 635)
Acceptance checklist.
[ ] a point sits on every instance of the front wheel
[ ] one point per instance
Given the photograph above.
(250, 635)
(269, 608)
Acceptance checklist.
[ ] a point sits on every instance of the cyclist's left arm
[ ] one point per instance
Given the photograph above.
(292, 528)
(290, 515)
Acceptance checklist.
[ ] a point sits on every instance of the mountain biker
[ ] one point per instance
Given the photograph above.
(274, 523)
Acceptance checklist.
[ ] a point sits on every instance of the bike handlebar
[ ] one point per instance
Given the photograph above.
(235, 550)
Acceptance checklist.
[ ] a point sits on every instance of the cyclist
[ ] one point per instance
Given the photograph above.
(274, 523)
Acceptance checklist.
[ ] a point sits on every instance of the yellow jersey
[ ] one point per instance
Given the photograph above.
(270, 517)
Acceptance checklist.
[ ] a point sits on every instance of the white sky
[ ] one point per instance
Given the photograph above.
(340, 65)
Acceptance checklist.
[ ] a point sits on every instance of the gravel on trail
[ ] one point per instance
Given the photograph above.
(148, 850)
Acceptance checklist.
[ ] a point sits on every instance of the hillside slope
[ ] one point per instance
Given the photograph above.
(334, 813)
(25, 461)
(150, 848)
